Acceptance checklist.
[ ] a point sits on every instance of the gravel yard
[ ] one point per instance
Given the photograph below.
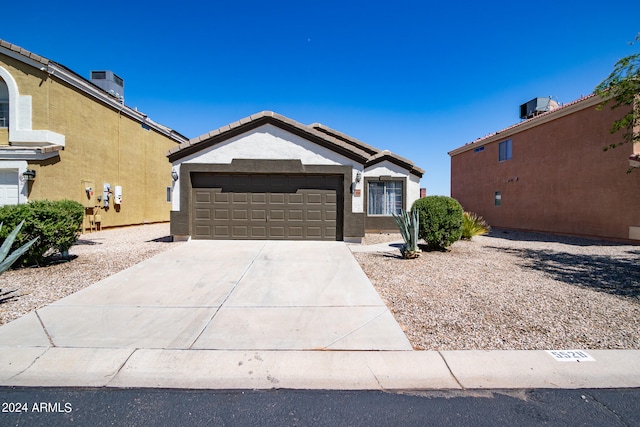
(511, 290)
(503, 291)
(96, 256)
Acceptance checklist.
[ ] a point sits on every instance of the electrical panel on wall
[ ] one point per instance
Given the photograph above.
(88, 194)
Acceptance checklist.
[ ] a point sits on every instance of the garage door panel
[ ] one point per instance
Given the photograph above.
(258, 198)
(203, 197)
(266, 207)
(314, 215)
(203, 214)
(221, 232)
(296, 199)
(277, 198)
(276, 215)
(240, 214)
(240, 231)
(296, 215)
(258, 214)
(203, 231)
(221, 214)
(276, 231)
(221, 197)
(240, 198)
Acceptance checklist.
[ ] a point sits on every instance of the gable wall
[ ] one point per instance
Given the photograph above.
(267, 142)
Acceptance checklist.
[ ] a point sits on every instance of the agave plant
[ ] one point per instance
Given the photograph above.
(7, 261)
(408, 225)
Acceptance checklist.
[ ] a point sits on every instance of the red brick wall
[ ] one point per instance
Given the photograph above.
(559, 180)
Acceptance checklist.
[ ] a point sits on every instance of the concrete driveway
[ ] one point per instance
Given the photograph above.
(223, 295)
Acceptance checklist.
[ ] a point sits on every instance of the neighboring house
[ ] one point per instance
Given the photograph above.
(549, 173)
(65, 137)
(270, 177)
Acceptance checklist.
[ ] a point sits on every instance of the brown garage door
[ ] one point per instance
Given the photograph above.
(284, 207)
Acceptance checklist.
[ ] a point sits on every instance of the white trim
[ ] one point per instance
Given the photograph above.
(21, 167)
(20, 131)
(26, 154)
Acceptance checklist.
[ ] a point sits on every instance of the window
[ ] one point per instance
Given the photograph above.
(478, 149)
(4, 105)
(497, 201)
(504, 150)
(385, 197)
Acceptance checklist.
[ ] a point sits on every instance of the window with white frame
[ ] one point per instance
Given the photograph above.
(504, 150)
(4, 105)
(384, 197)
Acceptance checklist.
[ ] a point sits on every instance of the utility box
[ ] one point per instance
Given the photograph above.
(117, 195)
(88, 193)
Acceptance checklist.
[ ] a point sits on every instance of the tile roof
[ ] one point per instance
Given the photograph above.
(322, 135)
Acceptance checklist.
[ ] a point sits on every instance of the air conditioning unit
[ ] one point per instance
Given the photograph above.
(537, 106)
(109, 82)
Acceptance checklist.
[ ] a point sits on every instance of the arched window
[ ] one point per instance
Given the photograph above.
(4, 104)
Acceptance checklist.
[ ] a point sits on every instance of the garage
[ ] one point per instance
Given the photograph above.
(268, 177)
(266, 206)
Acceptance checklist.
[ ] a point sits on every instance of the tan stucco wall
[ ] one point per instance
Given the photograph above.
(4, 136)
(559, 179)
(101, 146)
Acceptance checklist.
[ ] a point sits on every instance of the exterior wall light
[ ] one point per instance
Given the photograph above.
(358, 176)
(174, 175)
(29, 174)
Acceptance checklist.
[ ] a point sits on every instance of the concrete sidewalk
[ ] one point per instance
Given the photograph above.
(259, 315)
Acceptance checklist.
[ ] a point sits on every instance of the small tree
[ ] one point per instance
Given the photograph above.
(440, 220)
(623, 88)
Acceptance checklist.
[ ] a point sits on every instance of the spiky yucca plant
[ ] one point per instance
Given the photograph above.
(408, 225)
(7, 261)
(473, 225)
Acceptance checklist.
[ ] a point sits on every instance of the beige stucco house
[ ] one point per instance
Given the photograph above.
(66, 137)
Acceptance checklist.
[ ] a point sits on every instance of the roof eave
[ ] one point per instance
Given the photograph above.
(256, 120)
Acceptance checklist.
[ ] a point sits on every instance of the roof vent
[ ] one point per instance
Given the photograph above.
(109, 82)
(537, 106)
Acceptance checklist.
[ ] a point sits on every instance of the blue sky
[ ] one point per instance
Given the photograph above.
(418, 78)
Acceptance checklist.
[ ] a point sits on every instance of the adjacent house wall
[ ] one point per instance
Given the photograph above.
(559, 179)
(102, 145)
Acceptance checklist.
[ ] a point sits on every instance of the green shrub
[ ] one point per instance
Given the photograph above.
(473, 225)
(440, 220)
(56, 224)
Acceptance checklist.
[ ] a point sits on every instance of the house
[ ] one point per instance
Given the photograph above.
(549, 173)
(65, 137)
(269, 177)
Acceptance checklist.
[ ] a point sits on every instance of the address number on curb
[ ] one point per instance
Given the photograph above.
(570, 356)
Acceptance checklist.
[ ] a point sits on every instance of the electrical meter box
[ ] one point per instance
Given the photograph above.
(88, 193)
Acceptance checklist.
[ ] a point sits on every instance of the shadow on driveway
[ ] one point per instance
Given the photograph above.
(617, 276)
